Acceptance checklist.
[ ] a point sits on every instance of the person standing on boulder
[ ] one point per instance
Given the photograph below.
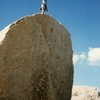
(43, 6)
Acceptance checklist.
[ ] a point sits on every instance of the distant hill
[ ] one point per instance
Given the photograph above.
(85, 93)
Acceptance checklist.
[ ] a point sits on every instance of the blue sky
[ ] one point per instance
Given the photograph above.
(80, 17)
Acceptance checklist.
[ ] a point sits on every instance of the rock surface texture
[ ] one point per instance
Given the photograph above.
(35, 60)
(85, 93)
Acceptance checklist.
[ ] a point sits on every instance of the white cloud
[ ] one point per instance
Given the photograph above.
(94, 56)
(79, 58)
(75, 59)
(82, 56)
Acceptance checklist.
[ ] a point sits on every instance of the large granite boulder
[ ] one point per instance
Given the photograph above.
(35, 60)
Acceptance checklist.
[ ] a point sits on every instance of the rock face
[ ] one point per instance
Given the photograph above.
(35, 60)
(85, 93)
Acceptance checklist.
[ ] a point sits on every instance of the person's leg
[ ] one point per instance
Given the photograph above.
(43, 8)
